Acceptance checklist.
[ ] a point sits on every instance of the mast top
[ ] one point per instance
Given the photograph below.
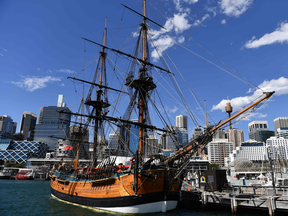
(144, 16)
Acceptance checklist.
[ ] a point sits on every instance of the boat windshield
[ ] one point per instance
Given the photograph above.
(25, 170)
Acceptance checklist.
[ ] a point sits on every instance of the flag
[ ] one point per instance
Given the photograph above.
(68, 147)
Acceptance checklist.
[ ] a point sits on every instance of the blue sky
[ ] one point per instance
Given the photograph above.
(40, 45)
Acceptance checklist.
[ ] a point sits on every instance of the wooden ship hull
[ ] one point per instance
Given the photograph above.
(116, 193)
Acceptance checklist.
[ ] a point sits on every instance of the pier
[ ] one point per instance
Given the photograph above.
(260, 198)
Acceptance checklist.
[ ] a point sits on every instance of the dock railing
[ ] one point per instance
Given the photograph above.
(260, 190)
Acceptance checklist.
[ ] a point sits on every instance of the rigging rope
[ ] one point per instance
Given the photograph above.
(180, 94)
(207, 52)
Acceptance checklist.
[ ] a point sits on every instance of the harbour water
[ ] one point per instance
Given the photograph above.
(34, 198)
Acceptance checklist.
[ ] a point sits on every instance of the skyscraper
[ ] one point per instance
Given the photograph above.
(259, 131)
(197, 132)
(76, 135)
(27, 125)
(182, 121)
(278, 147)
(281, 122)
(52, 123)
(113, 140)
(235, 136)
(61, 101)
(7, 125)
(180, 138)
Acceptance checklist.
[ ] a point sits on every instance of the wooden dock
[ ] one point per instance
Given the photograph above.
(238, 197)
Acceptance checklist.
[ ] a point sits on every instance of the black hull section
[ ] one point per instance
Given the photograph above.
(117, 201)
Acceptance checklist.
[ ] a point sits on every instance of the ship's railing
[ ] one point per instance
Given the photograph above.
(259, 190)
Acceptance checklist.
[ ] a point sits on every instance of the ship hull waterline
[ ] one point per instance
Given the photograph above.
(149, 207)
(116, 196)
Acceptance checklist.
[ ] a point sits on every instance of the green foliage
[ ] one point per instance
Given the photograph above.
(21, 165)
(214, 166)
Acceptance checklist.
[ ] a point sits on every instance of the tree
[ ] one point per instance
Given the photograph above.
(214, 166)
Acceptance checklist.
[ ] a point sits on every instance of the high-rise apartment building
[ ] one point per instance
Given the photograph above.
(27, 125)
(218, 149)
(277, 148)
(182, 121)
(52, 125)
(151, 145)
(282, 132)
(259, 131)
(235, 136)
(219, 134)
(281, 122)
(7, 125)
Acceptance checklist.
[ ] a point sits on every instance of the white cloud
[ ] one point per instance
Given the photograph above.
(163, 38)
(253, 116)
(5, 50)
(33, 83)
(280, 86)
(62, 84)
(66, 71)
(191, 1)
(250, 90)
(179, 20)
(223, 21)
(234, 7)
(38, 69)
(173, 110)
(179, 4)
(198, 22)
(181, 39)
(162, 44)
(1, 54)
(212, 10)
(280, 35)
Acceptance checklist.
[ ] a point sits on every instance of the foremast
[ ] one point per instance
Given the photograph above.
(99, 104)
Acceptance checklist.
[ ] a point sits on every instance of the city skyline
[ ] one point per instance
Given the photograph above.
(36, 55)
(189, 135)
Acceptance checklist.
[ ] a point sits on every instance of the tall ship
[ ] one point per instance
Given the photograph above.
(128, 179)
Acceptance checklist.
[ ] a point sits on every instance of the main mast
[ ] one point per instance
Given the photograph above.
(142, 93)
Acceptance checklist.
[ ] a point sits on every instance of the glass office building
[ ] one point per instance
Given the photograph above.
(7, 125)
(27, 125)
(52, 125)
